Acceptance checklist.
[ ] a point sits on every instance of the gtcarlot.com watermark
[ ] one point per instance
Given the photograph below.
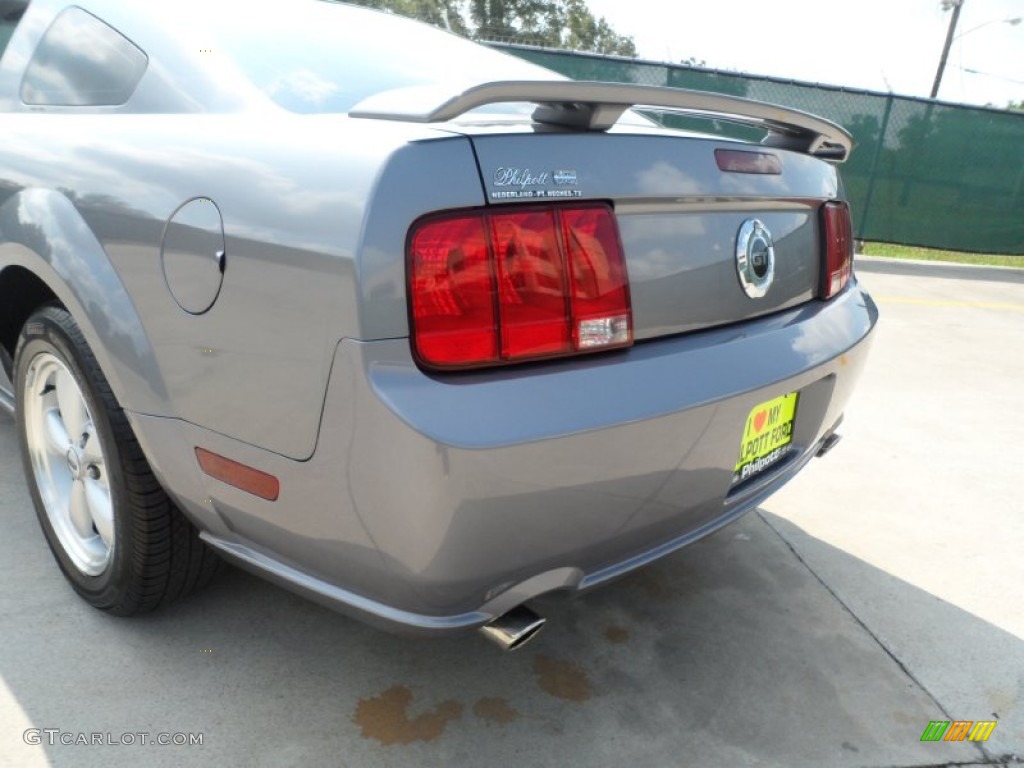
(52, 737)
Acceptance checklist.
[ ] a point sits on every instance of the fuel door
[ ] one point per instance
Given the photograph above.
(193, 255)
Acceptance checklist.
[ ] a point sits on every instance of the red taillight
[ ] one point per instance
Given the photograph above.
(532, 302)
(453, 292)
(838, 261)
(488, 288)
(601, 312)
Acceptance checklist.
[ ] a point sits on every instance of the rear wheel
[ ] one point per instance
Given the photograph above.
(116, 535)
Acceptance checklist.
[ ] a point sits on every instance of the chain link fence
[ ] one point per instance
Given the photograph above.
(923, 172)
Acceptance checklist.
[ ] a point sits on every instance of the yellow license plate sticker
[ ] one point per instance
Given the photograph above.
(768, 431)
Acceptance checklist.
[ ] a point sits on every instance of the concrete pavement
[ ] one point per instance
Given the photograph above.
(931, 459)
(879, 591)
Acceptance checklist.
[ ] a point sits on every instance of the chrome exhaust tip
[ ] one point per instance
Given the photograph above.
(514, 629)
(828, 444)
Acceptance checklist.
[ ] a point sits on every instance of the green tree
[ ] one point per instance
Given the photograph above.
(552, 23)
(440, 13)
(579, 30)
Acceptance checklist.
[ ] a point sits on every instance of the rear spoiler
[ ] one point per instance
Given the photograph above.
(596, 106)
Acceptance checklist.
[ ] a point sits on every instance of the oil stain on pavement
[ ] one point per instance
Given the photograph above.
(385, 718)
(562, 679)
(616, 635)
(495, 711)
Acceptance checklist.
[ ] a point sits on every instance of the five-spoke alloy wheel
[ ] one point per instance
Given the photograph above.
(68, 463)
(115, 533)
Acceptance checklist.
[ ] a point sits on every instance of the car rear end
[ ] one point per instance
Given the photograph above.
(632, 337)
(637, 338)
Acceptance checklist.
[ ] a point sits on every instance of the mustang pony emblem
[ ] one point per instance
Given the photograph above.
(755, 258)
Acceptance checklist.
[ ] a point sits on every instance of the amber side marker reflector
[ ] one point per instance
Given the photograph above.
(239, 475)
(742, 161)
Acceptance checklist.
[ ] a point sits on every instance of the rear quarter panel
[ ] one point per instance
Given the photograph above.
(294, 193)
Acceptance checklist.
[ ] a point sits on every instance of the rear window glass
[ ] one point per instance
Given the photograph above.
(82, 62)
(327, 57)
(10, 15)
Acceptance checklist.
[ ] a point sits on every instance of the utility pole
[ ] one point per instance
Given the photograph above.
(957, 5)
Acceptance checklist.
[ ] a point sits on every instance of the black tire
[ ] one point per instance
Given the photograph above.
(6, 364)
(6, 373)
(156, 555)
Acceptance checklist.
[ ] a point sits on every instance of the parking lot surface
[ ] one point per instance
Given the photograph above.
(883, 589)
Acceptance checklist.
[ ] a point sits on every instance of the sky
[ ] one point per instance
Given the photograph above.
(879, 45)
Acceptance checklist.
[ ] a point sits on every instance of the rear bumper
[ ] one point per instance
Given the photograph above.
(438, 503)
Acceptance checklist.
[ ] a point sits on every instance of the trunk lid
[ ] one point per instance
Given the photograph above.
(690, 228)
(679, 214)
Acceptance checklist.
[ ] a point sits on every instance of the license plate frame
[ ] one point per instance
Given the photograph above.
(767, 436)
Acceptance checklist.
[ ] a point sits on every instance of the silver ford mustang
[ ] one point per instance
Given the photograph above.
(404, 324)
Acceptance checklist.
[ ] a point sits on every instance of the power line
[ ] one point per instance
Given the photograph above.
(992, 74)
